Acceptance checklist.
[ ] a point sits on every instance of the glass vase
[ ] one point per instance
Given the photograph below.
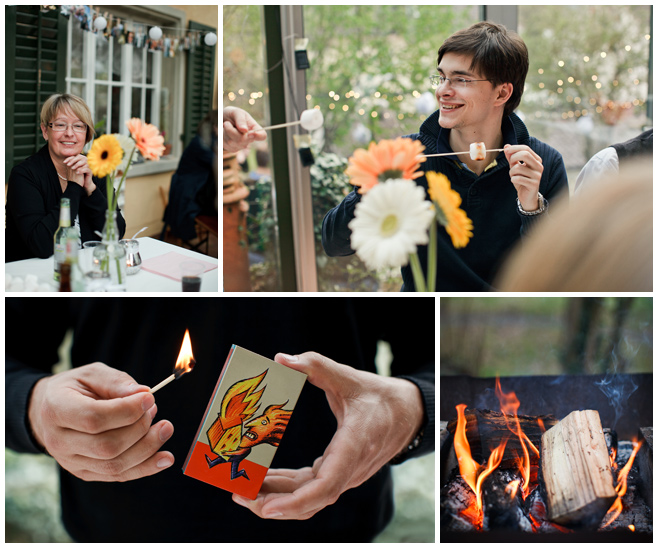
(110, 255)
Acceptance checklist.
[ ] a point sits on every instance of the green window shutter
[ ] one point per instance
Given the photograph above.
(35, 44)
(199, 83)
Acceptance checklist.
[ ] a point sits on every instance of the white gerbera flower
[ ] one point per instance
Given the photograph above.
(127, 144)
(389, 222)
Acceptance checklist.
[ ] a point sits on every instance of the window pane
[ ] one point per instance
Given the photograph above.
(167, 98)
(138, 56)
(116, 109)
(100, 118)
(102, 58)
(78, 89)
(148, 106)
(587, 86)
(116, 62)
(149, 67)
(370, 81)
(136, 108)
(77, 52)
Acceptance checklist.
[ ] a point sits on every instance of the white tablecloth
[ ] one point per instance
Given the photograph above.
(142, 281)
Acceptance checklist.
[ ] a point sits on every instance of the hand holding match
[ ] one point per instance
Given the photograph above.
(184, 363)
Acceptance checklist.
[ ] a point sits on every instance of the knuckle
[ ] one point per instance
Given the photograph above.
(91, 421)
(107, 449)
(113, 467)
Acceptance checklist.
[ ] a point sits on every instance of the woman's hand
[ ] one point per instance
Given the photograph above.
(79, 172)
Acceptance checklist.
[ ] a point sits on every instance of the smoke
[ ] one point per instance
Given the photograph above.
(618, 387)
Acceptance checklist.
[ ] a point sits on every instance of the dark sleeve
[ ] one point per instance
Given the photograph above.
(553, 183)
(34, 330)
(94, 207)
(335, 232)
(412, 342)
(35, 218)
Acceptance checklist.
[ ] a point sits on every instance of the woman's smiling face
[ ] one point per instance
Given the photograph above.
(66, 143)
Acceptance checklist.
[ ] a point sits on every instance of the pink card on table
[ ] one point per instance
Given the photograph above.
(244, 423)
(168, 265)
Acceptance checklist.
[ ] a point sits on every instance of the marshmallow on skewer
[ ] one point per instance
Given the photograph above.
(478, 151)
(310, 120)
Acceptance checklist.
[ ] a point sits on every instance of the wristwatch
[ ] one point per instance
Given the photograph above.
(543, 206)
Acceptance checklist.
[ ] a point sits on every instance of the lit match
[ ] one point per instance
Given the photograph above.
(184, 363)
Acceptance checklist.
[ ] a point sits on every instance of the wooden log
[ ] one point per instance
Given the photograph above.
(502, 504)
(645, 465)
(486, 429)
(576, 470)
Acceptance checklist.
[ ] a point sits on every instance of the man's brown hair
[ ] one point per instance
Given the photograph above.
(499, 55)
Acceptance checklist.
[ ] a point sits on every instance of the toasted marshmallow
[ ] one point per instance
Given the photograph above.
(478, 151)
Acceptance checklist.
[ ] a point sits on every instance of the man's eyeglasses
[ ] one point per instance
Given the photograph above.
(61, 126)
(457, 82)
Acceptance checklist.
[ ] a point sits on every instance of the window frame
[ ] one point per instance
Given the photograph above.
(162, 15)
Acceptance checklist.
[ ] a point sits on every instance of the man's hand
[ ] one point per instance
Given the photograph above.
(96, 422)
(240, 129)
(526, 168)
(377, 418)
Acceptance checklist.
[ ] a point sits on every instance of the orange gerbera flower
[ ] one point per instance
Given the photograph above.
(389, 159)
(147, 138)
(448, 212)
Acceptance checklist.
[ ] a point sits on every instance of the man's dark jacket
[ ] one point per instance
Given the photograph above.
(489, 200)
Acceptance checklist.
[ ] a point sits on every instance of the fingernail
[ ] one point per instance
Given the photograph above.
(242, 501)
(272, 515)
(164, 463)
(152, 411)
(166, 431)
(147, 402)
(290, 358)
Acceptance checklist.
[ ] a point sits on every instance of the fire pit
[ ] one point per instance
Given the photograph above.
(565, 470)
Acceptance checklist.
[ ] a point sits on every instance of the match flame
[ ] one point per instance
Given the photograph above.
(185, 361)
(622, 480)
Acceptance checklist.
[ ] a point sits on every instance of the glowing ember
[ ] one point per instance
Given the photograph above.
(185, 361)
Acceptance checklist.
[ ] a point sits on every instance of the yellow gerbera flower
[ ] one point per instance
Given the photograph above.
(389, 159)
(105, 155)
(448, 212)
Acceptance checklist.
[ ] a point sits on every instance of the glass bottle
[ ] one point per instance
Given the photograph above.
(61, 235)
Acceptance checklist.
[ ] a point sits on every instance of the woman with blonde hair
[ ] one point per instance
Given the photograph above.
(601, 241)
(59, 170)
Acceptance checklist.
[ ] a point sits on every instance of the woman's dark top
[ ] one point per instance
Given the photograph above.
(32, 211)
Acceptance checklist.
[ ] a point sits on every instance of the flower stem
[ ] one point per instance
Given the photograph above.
(417, 271)
(431, 259)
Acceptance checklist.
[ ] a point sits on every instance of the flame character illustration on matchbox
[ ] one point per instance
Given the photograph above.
(244, 423)
(234, 432)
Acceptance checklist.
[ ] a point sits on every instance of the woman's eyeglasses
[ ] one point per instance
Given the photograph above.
(61, 126)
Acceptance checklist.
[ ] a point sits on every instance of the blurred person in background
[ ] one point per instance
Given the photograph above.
(607, 161)
(601, 241)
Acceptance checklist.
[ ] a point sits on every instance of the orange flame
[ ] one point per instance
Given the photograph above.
(509, 405)
(541, 425)
(631, 527)
(470, 470)
(185, 361)
(512, 488)
(622, 480)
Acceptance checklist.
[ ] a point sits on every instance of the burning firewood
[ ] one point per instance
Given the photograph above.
(576, 470)
(486, 429)
(503, 504)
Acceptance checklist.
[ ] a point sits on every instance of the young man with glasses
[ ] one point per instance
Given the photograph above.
(481, 74)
